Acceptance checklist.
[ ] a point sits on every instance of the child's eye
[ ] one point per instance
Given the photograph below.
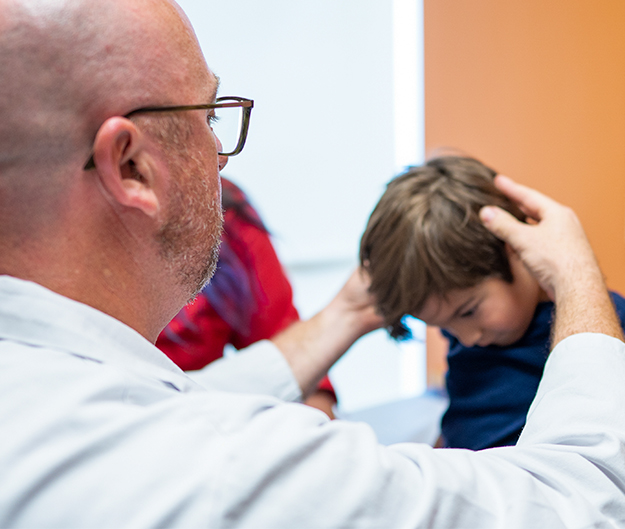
(468, 313)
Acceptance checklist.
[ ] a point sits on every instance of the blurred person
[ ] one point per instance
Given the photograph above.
(249, 298)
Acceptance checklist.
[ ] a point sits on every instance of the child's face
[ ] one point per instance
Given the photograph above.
(492, 313)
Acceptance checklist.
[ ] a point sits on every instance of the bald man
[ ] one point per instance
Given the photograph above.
(110, 212)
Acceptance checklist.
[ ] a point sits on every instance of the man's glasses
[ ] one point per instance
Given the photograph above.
(230, 121)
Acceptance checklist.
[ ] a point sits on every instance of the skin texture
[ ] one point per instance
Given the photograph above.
(137, 236)
(494, 312)
(555, 249)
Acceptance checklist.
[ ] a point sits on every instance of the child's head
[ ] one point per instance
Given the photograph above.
(429, 255)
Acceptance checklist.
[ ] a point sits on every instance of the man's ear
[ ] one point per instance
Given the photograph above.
(126, 167)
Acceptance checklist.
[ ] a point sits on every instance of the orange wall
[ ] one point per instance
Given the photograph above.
(536, 89)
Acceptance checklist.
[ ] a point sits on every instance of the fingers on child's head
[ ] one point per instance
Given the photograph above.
(531, 202)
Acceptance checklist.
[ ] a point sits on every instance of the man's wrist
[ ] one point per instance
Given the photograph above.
(583, 304)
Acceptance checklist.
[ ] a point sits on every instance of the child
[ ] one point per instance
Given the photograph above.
(429, 256)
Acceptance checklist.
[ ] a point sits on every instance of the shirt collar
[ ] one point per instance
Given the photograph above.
(33, 314)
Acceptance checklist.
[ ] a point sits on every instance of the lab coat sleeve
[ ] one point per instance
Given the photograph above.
(259, 368)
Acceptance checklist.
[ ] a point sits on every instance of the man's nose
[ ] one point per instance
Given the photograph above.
(223, 160)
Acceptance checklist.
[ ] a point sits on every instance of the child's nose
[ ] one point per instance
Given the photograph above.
(469, 337)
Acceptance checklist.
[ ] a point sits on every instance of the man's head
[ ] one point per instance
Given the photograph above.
(149, 213)
(429, 255)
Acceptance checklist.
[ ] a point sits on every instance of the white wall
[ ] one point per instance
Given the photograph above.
(327, 77)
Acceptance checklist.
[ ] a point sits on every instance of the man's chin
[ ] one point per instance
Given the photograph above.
(205, 278)
(198, 280)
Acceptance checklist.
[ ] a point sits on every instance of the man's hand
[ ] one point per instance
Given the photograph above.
(311, 347)
(356, 303)
(554, 247)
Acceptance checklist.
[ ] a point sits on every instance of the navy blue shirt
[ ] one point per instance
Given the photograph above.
(491, 388)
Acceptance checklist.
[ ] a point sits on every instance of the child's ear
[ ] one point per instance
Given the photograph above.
(127, 170)
(511, 253)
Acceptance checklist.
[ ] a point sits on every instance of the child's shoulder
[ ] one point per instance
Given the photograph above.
(619, 305)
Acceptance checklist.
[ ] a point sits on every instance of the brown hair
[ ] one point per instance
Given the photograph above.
(425, 237)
